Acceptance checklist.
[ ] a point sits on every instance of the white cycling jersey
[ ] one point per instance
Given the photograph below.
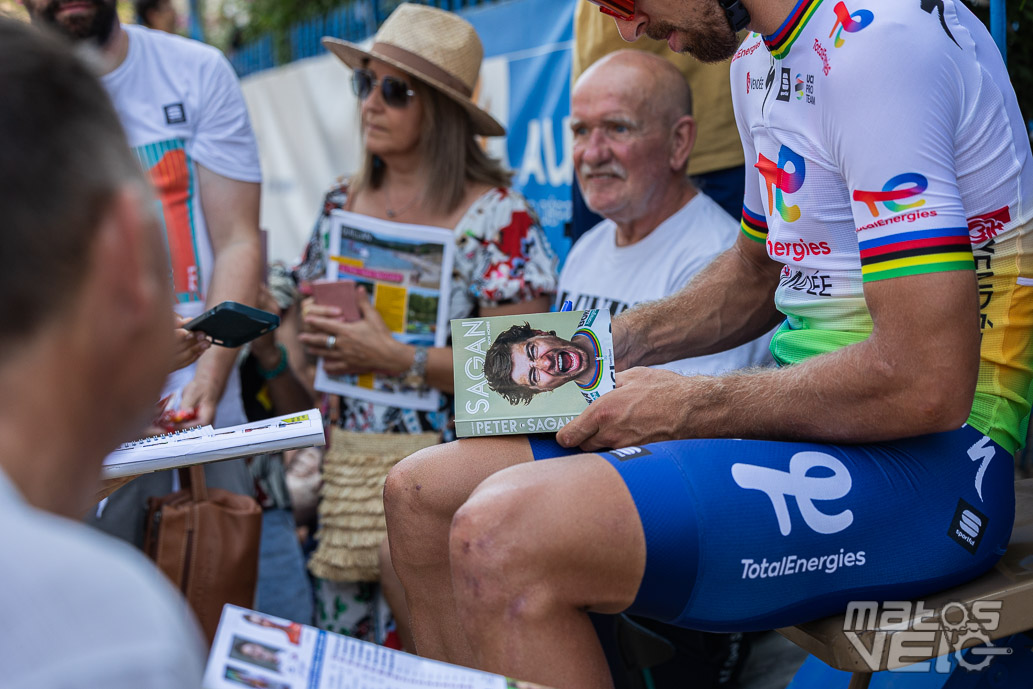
(883, 140)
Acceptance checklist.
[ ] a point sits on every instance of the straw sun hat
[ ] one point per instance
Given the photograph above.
(437, 47)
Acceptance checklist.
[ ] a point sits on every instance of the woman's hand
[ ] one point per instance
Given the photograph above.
(362, 346)
(189, 345)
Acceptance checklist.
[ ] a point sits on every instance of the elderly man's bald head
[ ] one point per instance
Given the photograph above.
(655, 80)
(633, 134)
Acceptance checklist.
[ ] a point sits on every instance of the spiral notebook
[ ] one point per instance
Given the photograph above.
(206, 444)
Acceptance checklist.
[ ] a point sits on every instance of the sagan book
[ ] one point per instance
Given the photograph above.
(531, 373)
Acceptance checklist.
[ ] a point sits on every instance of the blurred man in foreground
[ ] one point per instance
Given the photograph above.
(86, 290)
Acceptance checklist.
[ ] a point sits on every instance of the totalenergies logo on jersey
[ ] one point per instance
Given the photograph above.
(851, 23)
(780, 181)
(913, 185)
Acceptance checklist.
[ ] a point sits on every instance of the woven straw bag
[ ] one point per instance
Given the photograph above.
(351, 509)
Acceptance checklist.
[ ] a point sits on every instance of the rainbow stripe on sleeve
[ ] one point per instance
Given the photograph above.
(754, 226)
(915, 253)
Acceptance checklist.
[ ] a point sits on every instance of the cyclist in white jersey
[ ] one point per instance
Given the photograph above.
(887, 226)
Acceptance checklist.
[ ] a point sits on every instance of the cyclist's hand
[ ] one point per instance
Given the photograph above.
(648, 406)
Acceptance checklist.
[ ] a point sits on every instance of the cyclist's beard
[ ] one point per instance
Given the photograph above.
(96, 27)
(709, 39)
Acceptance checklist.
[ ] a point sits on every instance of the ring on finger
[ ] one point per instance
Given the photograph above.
(331, 340)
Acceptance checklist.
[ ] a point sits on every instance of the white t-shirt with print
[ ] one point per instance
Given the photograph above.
(181, 106)
(599, 274)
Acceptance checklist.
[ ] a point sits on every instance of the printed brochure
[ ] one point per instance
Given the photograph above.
(252, 649)
(529, 374)
(407, 272)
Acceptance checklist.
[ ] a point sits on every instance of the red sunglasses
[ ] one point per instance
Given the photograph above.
(622, 9)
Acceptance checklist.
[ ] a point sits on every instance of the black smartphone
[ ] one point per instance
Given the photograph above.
(230, 324)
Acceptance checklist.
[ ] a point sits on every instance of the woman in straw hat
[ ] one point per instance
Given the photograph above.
(422, 164)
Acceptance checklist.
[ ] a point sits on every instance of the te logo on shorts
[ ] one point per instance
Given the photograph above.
(805, 489)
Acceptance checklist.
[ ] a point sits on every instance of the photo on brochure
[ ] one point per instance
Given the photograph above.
(256, 650)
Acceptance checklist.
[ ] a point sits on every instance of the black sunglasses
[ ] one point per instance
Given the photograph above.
(395, 92)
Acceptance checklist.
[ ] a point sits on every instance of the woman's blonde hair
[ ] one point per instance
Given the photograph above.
(450, 154)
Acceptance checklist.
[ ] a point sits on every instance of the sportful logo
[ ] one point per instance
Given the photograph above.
(967, 527)
(890, 194)
(851, 23)
(805, 489)
(779, 181)
(785, 88)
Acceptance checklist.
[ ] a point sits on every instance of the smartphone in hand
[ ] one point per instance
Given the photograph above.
(231, 324)
(338, 293)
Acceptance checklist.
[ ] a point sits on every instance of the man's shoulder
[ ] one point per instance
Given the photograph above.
(703, 223)
(751, 49)
(173, 46)
(886, 36)
(93, 584)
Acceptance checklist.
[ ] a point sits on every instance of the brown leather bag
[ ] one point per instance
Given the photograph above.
(206, 543)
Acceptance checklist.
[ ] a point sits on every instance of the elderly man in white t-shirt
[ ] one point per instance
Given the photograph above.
(633, 134)
(85, 291)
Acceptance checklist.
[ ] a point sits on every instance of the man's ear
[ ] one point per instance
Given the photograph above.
(128, 254)
(683, 139)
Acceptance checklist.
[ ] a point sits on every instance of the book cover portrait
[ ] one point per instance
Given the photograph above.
(530, 373)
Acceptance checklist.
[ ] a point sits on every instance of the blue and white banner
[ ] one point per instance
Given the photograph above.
(525, 83)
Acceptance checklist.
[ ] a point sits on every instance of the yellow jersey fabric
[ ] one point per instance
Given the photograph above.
(717, 140)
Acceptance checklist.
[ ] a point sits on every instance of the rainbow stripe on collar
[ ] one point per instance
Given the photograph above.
(780, 42)
(598, 351)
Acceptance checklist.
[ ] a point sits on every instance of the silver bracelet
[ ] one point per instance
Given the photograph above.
(416, 376)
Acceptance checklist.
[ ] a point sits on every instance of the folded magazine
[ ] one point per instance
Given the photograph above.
(530, 373)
